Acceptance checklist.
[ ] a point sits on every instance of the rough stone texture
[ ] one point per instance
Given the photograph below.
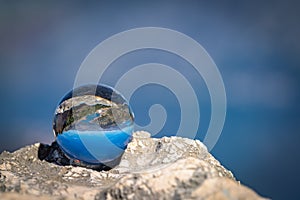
(165, 168)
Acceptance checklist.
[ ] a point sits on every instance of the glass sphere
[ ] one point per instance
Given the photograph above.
(93, 124)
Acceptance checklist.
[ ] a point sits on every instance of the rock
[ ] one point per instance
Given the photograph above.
(150, 168)
(222, 189)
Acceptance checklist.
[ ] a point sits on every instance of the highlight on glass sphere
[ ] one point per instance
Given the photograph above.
(93, 124)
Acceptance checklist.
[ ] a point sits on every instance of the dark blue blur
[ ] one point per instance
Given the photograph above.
(255, 45)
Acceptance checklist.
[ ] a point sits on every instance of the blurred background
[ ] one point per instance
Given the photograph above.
(255, 45)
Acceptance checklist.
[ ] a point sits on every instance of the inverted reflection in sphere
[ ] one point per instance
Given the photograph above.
(93, 124)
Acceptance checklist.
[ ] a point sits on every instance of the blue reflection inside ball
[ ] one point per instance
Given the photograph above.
(93, 124)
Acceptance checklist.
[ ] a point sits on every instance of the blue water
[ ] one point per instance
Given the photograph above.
(91, 117)
(94, 147)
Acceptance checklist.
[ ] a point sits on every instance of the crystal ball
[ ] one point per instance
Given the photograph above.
(93, 124)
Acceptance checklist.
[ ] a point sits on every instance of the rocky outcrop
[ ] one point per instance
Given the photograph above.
(150, 168)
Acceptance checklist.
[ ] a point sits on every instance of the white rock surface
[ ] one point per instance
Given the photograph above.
(165, 168)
